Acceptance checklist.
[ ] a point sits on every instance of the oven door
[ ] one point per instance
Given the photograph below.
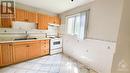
(56, 43)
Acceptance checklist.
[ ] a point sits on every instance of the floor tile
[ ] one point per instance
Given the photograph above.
(20, 71)
(31, 71)
(7, 70)
(58, 63)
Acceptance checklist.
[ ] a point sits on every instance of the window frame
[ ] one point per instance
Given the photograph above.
(85, 24)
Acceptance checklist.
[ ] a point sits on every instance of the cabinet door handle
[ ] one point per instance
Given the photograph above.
(27, 46)
(26, 20)
(10, 44)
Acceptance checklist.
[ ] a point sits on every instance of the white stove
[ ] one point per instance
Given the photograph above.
(55, 45)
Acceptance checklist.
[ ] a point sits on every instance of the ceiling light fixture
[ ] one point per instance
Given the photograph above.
(72, 0)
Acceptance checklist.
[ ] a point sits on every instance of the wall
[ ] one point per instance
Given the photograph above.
(104, 18)
(121, 62)
(94, 54)
(33, 9)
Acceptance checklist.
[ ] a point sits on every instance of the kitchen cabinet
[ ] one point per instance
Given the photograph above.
(34, 50)
(0, 22)
(23, 15)
(0, 56)
(6, 22)
(6, 54)
(43, 21)
(51, 19)
(26, 50)
(11, 53)
(20, 52)
(44, 47)
(32, 17)
(26, 16)
(54, 20)
(57, 20)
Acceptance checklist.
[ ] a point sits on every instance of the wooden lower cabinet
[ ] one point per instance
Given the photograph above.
(6, 54)
(45, 47)
(11, 53)
(26, 50)
(20, 53)
(34, 50)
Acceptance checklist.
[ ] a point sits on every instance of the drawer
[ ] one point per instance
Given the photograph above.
(45, 41)
(42, 44)
(45, 52)
(27, 42)
(44, 48)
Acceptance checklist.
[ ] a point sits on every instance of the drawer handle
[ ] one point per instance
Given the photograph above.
(10, 44)
(27, 46)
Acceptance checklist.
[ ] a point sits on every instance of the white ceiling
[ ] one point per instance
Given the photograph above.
(56, 6)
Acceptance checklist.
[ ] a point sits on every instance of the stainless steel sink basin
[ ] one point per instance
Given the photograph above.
(25, 39)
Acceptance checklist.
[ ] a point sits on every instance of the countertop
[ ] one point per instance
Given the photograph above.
(14, 41)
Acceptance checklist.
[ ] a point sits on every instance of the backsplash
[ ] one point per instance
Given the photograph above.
(23, 25)
(8, 34)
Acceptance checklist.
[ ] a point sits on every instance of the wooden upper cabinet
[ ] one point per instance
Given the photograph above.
(51, 19)
(57, 20)
(43, 21)
(6, 22)
(0, 56)
(32, 17)
(26, 16)
(23, 15)
(20, 15)
(54, 20)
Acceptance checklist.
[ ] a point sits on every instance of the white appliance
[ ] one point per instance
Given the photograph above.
(55, 45)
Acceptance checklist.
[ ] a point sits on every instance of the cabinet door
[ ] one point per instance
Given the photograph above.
(0, 56)
(26, 16)
(46, 21)
(32, 17)
(20, 52)
(34, 50)
(54, 20)
(51, 19)
(40, 21)
(44, 47)
(20, 15)
(43, 21)
(57, 20)
(6, 22)
(6, 54)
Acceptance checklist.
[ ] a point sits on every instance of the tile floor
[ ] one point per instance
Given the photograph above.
(58, 63)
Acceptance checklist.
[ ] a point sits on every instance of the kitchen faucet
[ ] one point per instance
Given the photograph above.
(27, 34)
